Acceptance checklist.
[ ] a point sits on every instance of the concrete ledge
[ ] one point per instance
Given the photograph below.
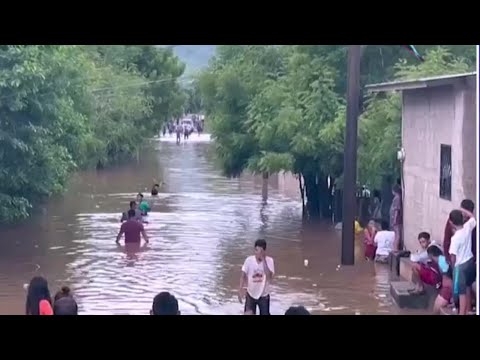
(399, 290)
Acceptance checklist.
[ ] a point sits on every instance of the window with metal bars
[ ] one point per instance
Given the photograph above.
(446, 172)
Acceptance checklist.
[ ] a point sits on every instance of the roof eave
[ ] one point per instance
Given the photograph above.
(418, 84)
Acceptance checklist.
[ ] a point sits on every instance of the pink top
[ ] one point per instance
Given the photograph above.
(45, 308)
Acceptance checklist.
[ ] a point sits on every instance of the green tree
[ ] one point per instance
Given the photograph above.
(69, 107)
(282, 108)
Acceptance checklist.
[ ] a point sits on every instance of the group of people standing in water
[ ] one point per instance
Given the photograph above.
(256, 275)
(185, 128)
(133, 219)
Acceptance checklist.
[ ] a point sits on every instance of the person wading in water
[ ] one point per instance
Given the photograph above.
(132, 230)
(138, 213)
(257, 274)
(179, 131)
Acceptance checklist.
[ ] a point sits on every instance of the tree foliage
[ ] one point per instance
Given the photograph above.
(68, 107)
(282, 108)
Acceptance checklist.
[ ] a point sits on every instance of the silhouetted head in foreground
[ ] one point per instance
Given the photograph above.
(165, 304)
(64, 303)
(37, 291)
(297, 310)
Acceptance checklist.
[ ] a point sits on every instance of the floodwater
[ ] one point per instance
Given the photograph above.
(202, 227)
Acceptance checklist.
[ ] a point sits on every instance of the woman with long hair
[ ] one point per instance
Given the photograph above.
(39, 301)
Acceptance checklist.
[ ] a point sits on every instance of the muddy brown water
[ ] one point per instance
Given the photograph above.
(201, 228)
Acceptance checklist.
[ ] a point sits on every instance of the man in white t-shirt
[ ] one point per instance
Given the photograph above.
(257, 274)
(384, 240)
(461, 256)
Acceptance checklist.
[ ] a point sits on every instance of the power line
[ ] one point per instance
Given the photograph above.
(143, 83)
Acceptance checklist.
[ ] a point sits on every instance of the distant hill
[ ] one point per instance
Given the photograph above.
(195, 57)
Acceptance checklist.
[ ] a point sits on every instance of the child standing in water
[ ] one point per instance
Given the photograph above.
(143, 205)
(369, 240)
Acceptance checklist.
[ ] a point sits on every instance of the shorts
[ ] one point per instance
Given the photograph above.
(428, 276)
(464, 275)
(263, 304)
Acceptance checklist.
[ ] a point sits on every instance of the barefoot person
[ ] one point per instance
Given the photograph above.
(257, 274)
(132, 230)
(461, 257)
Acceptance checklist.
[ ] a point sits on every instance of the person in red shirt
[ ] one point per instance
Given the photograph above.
(132, 230)
(449, 231)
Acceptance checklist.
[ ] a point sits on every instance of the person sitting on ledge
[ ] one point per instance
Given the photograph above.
(424, 270)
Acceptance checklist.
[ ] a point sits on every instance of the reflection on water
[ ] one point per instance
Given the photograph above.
(201, 229)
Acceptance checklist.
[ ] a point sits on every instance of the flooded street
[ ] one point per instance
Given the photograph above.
(201, 228)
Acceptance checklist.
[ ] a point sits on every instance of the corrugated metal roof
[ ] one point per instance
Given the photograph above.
(418, 83)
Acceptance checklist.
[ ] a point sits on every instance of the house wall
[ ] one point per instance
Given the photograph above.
(431, 117)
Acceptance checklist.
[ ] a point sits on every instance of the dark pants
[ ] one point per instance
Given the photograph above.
(263, 304)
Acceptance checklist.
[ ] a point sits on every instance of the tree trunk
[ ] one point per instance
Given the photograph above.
(324, 197)
(302, 194)
(313, 199)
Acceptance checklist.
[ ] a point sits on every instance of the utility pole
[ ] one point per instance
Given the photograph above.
(350, 156)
